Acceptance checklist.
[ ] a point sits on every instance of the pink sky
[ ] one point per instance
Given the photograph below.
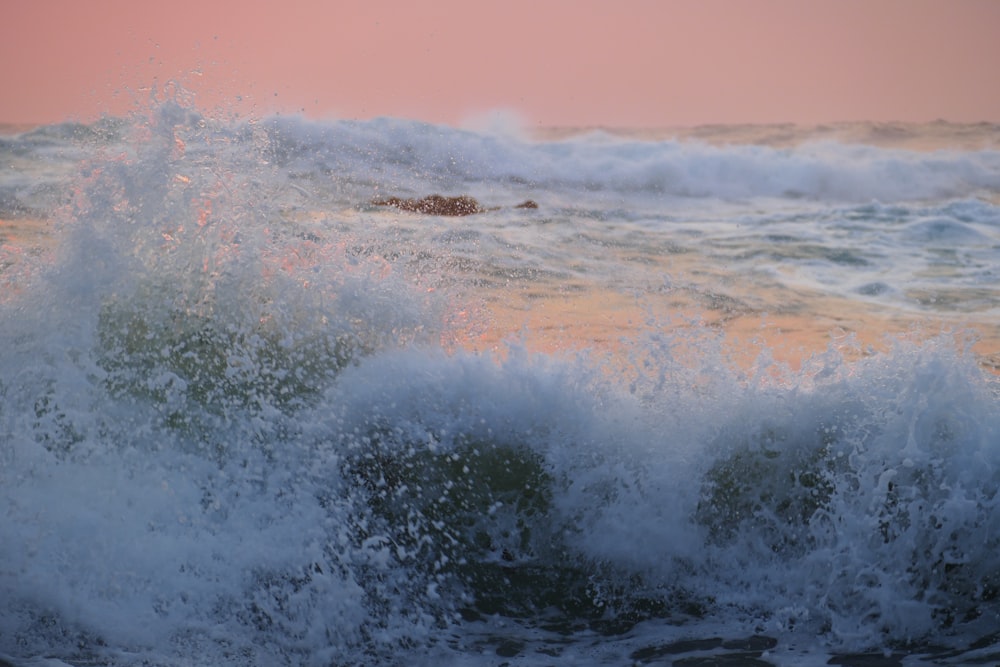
(555, 62)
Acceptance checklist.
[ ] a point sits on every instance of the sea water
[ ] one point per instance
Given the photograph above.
(723, 398)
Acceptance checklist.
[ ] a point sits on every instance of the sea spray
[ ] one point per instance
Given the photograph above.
(151, 381)
(867, 502)
(236, 428)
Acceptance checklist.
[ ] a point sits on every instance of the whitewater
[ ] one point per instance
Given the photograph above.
(728, 395)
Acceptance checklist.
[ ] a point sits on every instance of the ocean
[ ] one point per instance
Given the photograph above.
(724, 395)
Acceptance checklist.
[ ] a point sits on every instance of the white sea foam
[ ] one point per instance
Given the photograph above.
(452, 158)
(227, 438)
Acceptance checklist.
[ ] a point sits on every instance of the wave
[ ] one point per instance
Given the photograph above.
(225, 440)
(352, 161)
(602, 163)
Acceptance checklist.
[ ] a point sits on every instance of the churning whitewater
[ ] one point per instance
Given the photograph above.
(240, 423)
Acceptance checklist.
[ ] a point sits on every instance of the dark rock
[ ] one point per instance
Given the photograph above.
(434, 205)
(441, 205)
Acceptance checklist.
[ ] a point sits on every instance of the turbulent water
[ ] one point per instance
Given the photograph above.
(249, 417)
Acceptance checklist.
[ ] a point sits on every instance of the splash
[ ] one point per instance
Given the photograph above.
(232, 435)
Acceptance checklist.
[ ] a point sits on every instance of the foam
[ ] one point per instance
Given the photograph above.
(596, 162)
(227, 441)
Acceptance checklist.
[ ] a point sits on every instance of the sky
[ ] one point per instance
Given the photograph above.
(637, 63)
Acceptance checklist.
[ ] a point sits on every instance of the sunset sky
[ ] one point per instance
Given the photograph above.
(553, 62)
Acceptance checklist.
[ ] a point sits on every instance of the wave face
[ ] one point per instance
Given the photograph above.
(227, 440)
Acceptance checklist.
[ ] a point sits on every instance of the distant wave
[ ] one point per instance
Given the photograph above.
(603, 162)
